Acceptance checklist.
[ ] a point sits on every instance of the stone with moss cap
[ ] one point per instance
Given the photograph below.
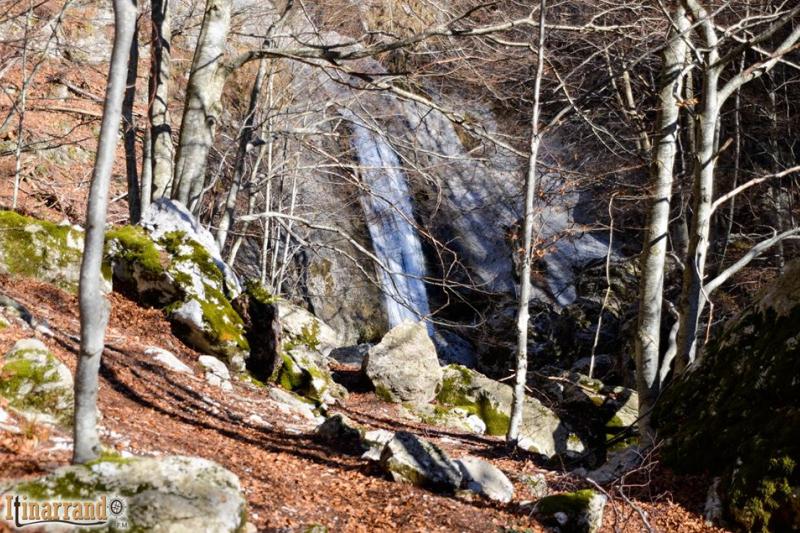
(37, 386)
(42, 250)
(305, 372)
(736, 413)
(576, 512)
(167, 494)
(541, 431)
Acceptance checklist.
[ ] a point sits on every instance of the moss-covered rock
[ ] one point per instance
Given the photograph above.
(298, 326)
(410, 459)
(42, 250)
(178, 273)
(37, 386)
(736, 414)
(541, 430)
(446, 416)
(167, 494)
(305, 372)
(578, 512)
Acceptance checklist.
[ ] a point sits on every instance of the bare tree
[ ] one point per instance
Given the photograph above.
(651, 284)
(94, 308)
(523, 315)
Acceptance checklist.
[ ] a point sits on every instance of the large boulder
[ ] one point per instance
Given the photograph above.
(168, 494)
(410, 459)
(736, 413)
(42, 250)
(176, 271)
(404, 367)
(541, 430)
(36, 385)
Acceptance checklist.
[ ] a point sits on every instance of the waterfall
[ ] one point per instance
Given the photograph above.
(390, 221)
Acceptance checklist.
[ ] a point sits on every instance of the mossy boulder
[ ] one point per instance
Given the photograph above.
(176, 272)
(167, 494)
(342, 433)
(736, 413)
(541, 430)
(305, 372)
(42, 250)
(446, 416)
(574, 512)
(37, 386)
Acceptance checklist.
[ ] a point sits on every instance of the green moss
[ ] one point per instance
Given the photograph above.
(68, 486)
(40, 249)
(455, 392)
(308, 337)
(738, 417)
(570, 503)
(134, 246)
(27, 385)
(383, 393)
(110, 456)
(259, 292)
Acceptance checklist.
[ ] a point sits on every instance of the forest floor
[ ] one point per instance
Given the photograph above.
(291, 480)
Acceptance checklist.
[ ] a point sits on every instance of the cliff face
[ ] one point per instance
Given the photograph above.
(737, 414)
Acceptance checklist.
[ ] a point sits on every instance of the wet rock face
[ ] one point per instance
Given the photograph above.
(736, 414)
(404, 367)
(169, 494)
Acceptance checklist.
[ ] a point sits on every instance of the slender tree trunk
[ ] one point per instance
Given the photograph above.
(203, 106)
(129, 134)
(227, 219)
(21, 112)
(94, 308)
(651, 285)
(160, 123)
(523, 315)
(147, 170)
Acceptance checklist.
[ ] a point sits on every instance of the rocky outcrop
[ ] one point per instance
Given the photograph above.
(36, 385)
(403, 367)
(42, 250)
(166, 494)
(305, 372)
(410, 459)
(342, 433)
(541, 430)
(574, 512)
(299, 325)
(736, 413)
(485, 479)
(176, 271)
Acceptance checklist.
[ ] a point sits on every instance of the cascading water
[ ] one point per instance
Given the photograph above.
(390, 220)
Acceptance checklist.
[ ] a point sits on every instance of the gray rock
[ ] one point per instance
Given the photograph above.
(292, 404)
(375, 440)
(457, 418)
(168, 360)
(536, 483)
(217, 373)
(37, 386)
(485, 479)
(541, 431)
(403, 367)
(168, 494)
(410, 459)
(617, 464)
(573, 512)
